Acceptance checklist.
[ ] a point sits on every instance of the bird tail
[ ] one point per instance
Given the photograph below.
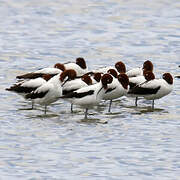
(30, 76)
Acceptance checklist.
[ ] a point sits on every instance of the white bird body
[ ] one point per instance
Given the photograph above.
(27, 86)
(115, 90)
(80, 71)
(91, 95)
(50, 70)
(135, 72)
(164, 89)
(137, 80)
(147, 66)
(134, 81)
(53, 93)
(72, 85)
(48, 93)
(119, 66)
(79, 66)
(153, 89)
(39, 73)
(103, 69)
(118, 88)
(53, 89)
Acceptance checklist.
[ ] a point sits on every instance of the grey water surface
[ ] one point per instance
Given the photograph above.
(128, 143)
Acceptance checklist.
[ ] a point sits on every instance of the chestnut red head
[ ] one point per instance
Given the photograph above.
(59, 66)
(113, 72)
(148, 66)
(145, 71)
(70, 73)
(124, 80)
(168, 78)
(97, 76)
(86, 79)
(120, 66)
(106, 79)
(149, 75)
(81, 62)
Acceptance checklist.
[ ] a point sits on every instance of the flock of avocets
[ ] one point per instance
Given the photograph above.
(73, 82)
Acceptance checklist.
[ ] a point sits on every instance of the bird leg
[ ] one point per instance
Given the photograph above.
(153, 104)
(32, 104)
(109, 110)
(136, 101)
(45, 109)
(71, 107)
(86, 113)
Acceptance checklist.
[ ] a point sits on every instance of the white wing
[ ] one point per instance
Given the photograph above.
(34, 82)
(49, 71)
(45, 87)
(137, 80)
(74, 84)
(134, 72)
(103, 69)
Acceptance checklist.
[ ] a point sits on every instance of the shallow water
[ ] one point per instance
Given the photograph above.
(129, 143)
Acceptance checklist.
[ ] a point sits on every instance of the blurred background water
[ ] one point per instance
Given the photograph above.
(136, 143)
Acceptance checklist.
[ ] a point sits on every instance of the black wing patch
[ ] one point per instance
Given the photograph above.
(143, 91)
(78, 95)
(34, 95)
(20, 89)
(109, 90)
(32, 75)
(65, 92)
(132, 85)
